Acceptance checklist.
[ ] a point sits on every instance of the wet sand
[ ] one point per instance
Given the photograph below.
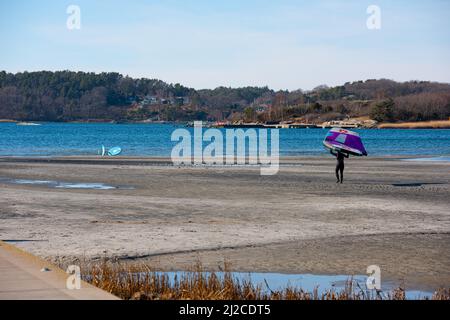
(388, 212)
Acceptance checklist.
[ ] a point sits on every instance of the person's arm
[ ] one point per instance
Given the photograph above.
(334, 154)
(346, 155)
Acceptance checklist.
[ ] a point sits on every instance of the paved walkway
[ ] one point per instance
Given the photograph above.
(21, 278)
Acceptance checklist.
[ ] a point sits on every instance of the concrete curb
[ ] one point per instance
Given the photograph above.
(21, 278)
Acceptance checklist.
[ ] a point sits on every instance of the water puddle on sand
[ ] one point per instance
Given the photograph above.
(309, 282)
(64, 185)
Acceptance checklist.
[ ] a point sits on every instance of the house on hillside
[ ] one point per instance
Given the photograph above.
(181, 101)
(149, 100)
(261, 108)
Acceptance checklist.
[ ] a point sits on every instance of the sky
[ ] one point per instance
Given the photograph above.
(283, 44)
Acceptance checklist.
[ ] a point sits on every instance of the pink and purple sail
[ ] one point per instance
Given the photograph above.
(345, 141)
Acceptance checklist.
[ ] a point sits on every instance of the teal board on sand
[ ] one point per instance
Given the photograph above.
(114, 151)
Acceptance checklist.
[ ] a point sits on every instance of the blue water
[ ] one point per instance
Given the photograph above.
(62, 139)
(309, 282)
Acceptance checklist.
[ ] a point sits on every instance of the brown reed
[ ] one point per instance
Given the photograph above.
(138, 281)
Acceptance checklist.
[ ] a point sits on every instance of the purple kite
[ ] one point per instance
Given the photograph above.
(345, 141)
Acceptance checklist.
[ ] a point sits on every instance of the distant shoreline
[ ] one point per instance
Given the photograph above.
(438, 124)
(167, 161)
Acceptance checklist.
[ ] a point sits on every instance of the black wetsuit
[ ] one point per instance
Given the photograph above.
(340, 165)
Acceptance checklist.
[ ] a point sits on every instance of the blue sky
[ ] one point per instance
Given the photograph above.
(284, 44)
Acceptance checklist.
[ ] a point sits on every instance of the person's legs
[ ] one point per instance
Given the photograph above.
(341, 170)
(337, 172)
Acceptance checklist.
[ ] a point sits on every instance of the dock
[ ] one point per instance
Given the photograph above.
(343, 124)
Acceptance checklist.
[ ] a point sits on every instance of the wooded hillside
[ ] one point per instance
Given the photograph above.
(75, 96)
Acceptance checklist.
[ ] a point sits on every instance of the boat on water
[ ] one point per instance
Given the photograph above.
(27, 124)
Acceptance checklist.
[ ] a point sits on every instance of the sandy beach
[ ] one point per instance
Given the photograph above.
(388, 212)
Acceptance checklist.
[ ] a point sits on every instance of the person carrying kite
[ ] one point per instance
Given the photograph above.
(339, 165)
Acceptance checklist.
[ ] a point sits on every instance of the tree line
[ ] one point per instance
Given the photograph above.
(78, 96)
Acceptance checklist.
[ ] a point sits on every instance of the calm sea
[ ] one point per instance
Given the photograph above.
(61, 139)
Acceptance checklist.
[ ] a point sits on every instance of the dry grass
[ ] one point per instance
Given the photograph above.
(140, 282)
(442, 124)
